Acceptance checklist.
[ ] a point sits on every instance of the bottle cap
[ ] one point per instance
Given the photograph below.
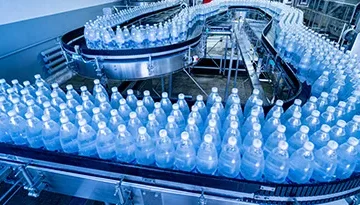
(315, 113)
(37, 93)
(297, 115)
(313, 99)
(259, 102)
(54, 85)
(10, 90)
(325, 128)
(102, 99)
(45, 118)
(214, 90)
(62, 106)
(64, 120)
(40, 84)
(101, 125)
(199, 98)
(213, 110)
(335, 91)
(283, 145)
(122, 101)
(233, 111)
(234, 91)
(130, 92)
(191, 121)
(341, 123)
(29, 102)
(352, 99)
(171, 119)
(257, 143)
(162, 133)
(142, 130)
(121, 128)
(194, 108)
(281, 128)
(279, 103)
(324, 95)
(254, 113)
(69, 96)
(232, 141)
(212, 123)
(16, 100)
(96, 110)
(236, 101)
(157, 105)
(175, 106)
(332, 145)
(114, 89)
(342, 104)
(297, 102)
(69, 87)
(96, 81)
(113, 112)
(181, 96)
(79, 108)
(256, 127)
(29, 115)
(276, 114)
(164, 95)
(304, 129)
(256, 91)
(234, 125)
(356, 118)
(330, 109)
(37, 76)
(83, 88)
(139, 103)
(353, 141)
(208, 138)
(2, 80)
(132, 115)
(26, 83)
(218, 99)
(82, 122)
(15, 81)
(46, 104)
(146, 93)
(309, 146)
(185, 136)
(151, 117)
(85, 97)
(98, 90)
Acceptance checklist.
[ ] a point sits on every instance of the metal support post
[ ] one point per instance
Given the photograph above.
(196, 83)
(222, 69)
(237, 66)
(230, 66)
(170, 84)
(162, 84)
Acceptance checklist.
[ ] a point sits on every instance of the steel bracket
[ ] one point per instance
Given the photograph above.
(123, 193)
(34, 185)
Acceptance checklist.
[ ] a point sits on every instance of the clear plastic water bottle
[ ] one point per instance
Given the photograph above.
(296, 107)
(25, 96)
(5, 106)
(87, 104)
(301, 164)
(160, 115)
(4, 128)
(273, 140)
(185, 154)
(193, 132)
(278, 107)
(321, 137)
(39, 79)
(212, 97)
(134, 124)
(16, 86)
(325, 162)
(105, 107)
(12, 94)
(166, 103)
(252, 134)
(50, 133)
(297, 140)
(164, 152)
(71, 91)
(68, 136)
(248, 124)
(258, 106)
(115, 120)
(231, 117)
(56, 89)
(313, 122)
(41, 98)
(71, 103)
(322, 102)
(338, 133)
(308, 107)
(148, 101)
(173, 129)
(115, 98)
(213, 115)
(207, 156)
(97, 85)
(179, 118)
(33, 130)
(4, 85)
(153, 127)
(201, 106)
(99, 94)
(251, 101)
(97, 118)
(320, 84)
(28, 87)
(41, 87)
(131, 99)
(66, 112)
(237, 106)
(229, 159)
(142, 112)
(86, 138)
(56, 101)
(213, 130)
(333, 98)
(277, 164)
(293, 124)
(252, 162)
(232, 131)
(19, 107)
(125, 145)
(352, 128)
(328, 117)
(230, 100)
(145, 148)
(105, 142)
(51, 112)
(195, 114)
(219, 107)
(347, 158)
(124, 110)
(85, 92)
(183, 106)
(350, 109)
(271, 125)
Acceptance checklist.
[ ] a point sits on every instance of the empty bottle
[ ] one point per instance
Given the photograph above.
(183, 106)
(131, 99)
(338, 133)
(134, 124)
(4, 128)
(153, 127)
(87, 104)
(56, 89)
(164, 152)
(229, 159)
(160, 115)
(296, 107)
(97, 118)
(321, 137)
(124, 110)
(71, 102)
(230, 100)
(86, 138)
(19, 107)
(185, 154)
(105, 142)
(148, 101)
(104, 106)
(115, 98)
(5, 106)
(293, 124)
(277, 163)
(33, 130)
(347, 158)
(212, 97)
(352, 128)
(297, 140)
(97, 85)
(308, 107)
(66, 112)
(125, 145)
(273, 140)
(276, 108)
(166, 103)
(325, 162)
(328, 117)
(142, 112)
(301, 164)
(252, 162)
(248, 124)
(254, 133)
(71, 91)
(50, 133)
(207, 156)
(51, 112)
(17, 128)
(251, 102)
(56, 101)
(322, 102)
(201, 106)
(68, 136)
(145, 148)
(271, 124)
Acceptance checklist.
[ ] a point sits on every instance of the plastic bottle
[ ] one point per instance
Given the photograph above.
(173, 129)
(322, 102)
(98, 85)
(271, 125)
(33, 130)
(179, 118)
(277, 163)
(134, 124)
(86, 138)
(145, 148)
(296, 107)
(274, 139)
(56, 89)
(148, 101)
(25, 96)
(195, 114)
(231, 117)
(293, 124)
(115, 120)
(105, 142)
(183, 106)
(213, 115)
(71, 91)
(5, 106)
(325, 162)
(237, 106)
(87, 104)
(12, 94)
(201, 106)
(85, 92)
(248, 124)
(308, 107)
(4, 85)
(328, 116)
(29, 88)
(219, 107)
(212, 97)
(68, 136)
(347, 158)
(39, 79)
(99, 94)
(164, 152)
(251, 101)
(320, 84)
(194, 133)
(56, 101)
(97, 118)
(160, 115)
(297, 140)
(142, 112)
(229, 159)
(153, 127)
(232, 131)
(19, 107)
(252, 162)
(16, 86)
(278, 107)
(321, 137)
(313, 122)
(41, 87)
(66, 112)
(301, 164)
(230, 100)
(340, 110)
(185, 154)
(338, 133)
(131, 99)
(166, 103)
(125, 145)
(258, 106)
(254, 133)
(213, 130)
(51, 112)
(207, 156)
(50, 134)
(333, 98)
(352, 128)
(41, 98)
(350, 109)
(124, 110)
(115, 97)
(105, 106)
(71, 103)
